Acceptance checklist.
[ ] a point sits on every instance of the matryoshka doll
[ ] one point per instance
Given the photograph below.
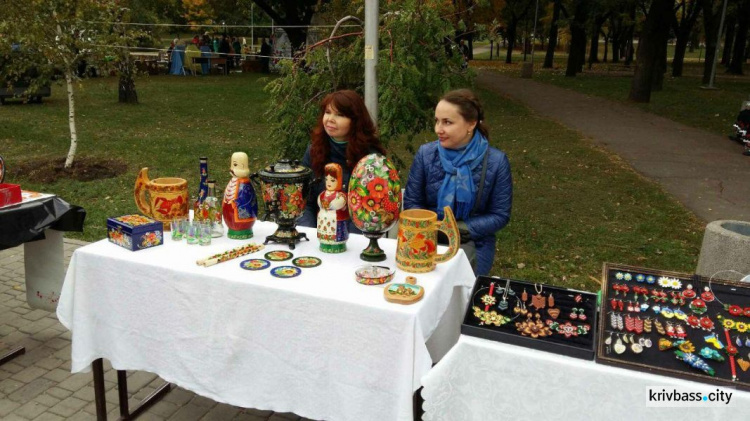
(240, 207)
(333, 214)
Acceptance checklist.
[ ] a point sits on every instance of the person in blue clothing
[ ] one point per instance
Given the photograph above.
(344, 134)
(463, 171)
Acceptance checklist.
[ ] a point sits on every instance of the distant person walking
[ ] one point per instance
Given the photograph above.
(265, 56)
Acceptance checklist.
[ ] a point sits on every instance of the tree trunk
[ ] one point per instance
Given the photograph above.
(511, 40)
(596, 30)
(651, 42)
(471, 46)
(710, 26)
(726, 53)
(679, 56)
(630, 33)
(683, 33)
(661, 70)
(615, 50)
(71, 120)
(738, 55)
(695, 41)
(126, 89)
(550, 56)
(577, 55)
(492, 47)
(606, 47)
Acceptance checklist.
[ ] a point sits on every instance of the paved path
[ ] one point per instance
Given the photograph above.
(39, 386)
(706, 172)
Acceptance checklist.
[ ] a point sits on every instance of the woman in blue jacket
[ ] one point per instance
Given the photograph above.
(462, 171)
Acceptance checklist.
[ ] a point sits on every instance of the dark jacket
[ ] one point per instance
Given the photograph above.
(338, 155)
(493, 212)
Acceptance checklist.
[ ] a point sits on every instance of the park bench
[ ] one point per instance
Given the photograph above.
(19, 91)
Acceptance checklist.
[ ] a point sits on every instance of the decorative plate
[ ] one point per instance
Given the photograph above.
(278, 255)
(286, 271)
(307, 262)
(255, 264)
(374, 275)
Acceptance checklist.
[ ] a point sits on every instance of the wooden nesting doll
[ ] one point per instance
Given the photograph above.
(240, 207)
(333, 214)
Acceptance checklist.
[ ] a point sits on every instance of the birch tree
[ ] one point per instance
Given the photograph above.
(58, 34)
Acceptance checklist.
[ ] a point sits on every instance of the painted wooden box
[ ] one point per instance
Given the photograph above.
(10, 194)
(135, 232)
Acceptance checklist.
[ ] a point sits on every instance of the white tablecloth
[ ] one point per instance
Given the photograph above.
(486, 380)
(320, 345)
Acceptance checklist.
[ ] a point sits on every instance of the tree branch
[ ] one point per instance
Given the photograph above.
(269, 10)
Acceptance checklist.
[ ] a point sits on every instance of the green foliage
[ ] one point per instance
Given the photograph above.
(417, 63)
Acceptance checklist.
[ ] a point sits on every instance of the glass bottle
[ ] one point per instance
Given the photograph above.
(202, 190)
(214, 210)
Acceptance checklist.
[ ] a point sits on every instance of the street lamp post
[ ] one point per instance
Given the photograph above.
(371, 58)
(716, 51)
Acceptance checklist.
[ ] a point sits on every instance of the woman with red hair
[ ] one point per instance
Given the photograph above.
(344, 134)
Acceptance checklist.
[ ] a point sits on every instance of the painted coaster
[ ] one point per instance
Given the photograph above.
(286, 271)
(255, 264)
(307, 262)
(278, 255)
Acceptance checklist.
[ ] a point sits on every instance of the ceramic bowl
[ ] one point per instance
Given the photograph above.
(374, 275)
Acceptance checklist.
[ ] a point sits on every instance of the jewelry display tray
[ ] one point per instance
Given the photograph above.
(582, 346)
(652, 360)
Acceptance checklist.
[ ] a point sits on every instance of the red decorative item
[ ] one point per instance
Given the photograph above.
(638, 325)
(629, 323)
(492, 292)
(680, 332)
(706, 323)
(670, 331)
(735, 310)
(731, 351)
(707, 295)
(689, 293)
(693, 321)
(578, 298)
(10, 194)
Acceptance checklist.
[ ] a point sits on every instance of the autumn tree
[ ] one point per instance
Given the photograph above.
(197, 12)
(515, 11)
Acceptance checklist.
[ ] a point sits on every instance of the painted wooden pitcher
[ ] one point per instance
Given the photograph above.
(167, 197)
(417, 239)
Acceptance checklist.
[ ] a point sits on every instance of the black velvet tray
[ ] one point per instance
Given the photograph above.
(577, 345)
(666, 362)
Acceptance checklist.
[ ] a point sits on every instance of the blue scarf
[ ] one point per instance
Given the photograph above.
(458, 190)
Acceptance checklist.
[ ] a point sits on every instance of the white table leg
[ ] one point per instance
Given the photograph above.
(45, 270)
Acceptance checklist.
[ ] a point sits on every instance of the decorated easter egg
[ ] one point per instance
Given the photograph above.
(374, 194)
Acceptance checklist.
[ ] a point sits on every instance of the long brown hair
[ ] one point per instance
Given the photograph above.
(469, 107)
(362, 136)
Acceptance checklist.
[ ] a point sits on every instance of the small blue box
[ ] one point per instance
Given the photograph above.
(135, 232)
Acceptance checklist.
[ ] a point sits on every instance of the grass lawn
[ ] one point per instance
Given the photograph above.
(575, 206)
(682, 99)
